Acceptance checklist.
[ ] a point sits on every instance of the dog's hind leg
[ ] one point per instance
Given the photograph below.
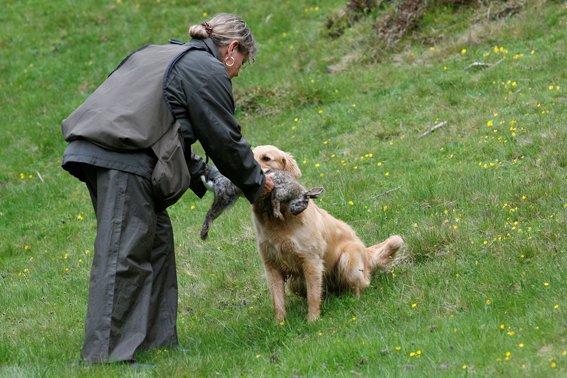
(352, 268)
(383, 253)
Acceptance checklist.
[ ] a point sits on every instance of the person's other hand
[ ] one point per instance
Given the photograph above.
(268, 184)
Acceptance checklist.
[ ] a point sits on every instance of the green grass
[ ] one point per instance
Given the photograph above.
(482, 209)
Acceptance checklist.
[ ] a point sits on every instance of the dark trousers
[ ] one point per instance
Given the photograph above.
(133, 284)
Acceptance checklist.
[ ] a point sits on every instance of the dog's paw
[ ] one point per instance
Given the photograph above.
(312, 317)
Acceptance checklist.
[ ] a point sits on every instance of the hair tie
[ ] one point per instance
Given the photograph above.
(208, 28)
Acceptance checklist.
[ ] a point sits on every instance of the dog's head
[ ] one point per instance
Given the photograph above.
(272, 157)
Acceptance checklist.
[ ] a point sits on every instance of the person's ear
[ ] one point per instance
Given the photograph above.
(232, 47)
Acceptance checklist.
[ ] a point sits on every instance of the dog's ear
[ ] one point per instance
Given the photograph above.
(290, 165)
(315, 192)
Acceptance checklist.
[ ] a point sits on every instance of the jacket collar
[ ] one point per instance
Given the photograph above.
(206, 44)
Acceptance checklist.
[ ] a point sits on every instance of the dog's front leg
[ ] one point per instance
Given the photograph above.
(313, 272)
(276, 284)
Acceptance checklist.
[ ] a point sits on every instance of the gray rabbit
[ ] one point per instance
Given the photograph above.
(287, 191)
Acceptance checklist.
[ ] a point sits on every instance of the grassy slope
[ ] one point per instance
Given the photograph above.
(472, 269)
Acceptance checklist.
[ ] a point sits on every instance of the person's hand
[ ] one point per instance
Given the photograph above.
(268, 184)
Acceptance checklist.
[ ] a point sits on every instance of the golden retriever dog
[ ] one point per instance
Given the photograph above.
(313, 251)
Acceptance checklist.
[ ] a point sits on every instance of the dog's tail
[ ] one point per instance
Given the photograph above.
(382, 254)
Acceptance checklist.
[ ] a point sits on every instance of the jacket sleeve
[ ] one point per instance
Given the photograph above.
(210, 110)
(195, 163)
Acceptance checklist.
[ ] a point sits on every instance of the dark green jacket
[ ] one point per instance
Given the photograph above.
(166, 97)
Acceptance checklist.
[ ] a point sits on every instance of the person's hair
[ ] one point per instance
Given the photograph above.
(224, 28)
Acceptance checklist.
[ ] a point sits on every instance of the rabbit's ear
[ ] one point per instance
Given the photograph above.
(315, 192)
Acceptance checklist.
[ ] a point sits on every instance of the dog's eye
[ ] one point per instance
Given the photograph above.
(266, 158)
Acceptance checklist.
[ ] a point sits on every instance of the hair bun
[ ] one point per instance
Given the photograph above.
(198, 32)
